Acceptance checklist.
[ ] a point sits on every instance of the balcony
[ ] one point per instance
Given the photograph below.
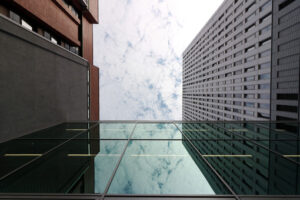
(144, 159)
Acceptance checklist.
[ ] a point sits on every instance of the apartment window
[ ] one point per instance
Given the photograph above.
(250, 6)
(287, 108)
(265, 29)
(238, 72)
(238, 35)
(237, 63)
(251, 37)
(266, 65)
(250, 16)
(238, 26)
(237, 88)
(250, 58)
(237, 80)
(264, 96)
(288, 96)
(264, 105)
(266, 5)
(285, 4)
(264, 76)
(249, 96)
(265, 53)
(238, 53)
(263, 115)
(264, 42)
(249, 78)
(249, 69)
(250, 113)
(249, 87)
(238, 17)
(264, 86)
(264, 18)
(15, 17)
(238, 44)
(249, 28)
(249, 104)
(237, 103)
(250, 48)
(47, 35)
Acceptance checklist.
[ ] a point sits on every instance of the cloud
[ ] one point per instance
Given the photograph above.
(138, 47)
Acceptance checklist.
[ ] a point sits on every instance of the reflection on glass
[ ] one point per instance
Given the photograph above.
(105, 162)
(115, 130)
(160, 167)
(156, 131)
(61, 131)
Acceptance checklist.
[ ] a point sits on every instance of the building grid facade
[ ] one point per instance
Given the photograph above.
(226, 68)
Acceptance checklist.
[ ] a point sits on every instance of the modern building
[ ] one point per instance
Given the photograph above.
(47, 71)
(229, 67)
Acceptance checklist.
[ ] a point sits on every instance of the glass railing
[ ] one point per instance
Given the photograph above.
(209, 159)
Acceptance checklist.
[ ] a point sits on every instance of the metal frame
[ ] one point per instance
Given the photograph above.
(184, 137)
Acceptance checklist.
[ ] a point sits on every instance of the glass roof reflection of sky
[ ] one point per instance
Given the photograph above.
(154, 158)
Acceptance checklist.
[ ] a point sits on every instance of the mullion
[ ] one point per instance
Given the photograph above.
(210, 166)
(118, 163)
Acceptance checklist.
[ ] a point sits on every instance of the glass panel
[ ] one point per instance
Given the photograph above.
(16, 153)
(113, 131)
(156, 131)
(79, 166)
(61, 131)
(248, 168)
(164, 167)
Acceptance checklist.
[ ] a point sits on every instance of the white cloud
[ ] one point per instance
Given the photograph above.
(138, 46)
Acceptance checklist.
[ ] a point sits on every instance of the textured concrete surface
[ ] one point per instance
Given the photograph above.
(41, 84)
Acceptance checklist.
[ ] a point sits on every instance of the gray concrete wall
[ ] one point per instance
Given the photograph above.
(41, 84)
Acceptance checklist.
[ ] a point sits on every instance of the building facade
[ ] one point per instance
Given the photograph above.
(47, 71)
(227, 67)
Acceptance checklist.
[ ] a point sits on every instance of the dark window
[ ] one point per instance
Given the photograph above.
(285, 4)
(287, 96)
(286, 108)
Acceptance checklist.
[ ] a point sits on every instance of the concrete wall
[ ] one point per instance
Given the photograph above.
(41, 84)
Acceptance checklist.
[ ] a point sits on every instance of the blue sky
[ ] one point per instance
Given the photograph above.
(138, 46)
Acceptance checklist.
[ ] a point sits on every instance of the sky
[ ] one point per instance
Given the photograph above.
(138, 46)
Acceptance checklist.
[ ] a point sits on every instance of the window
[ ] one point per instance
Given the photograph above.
(285, 4)
(263, 115)
(264, 42)
(249, 96)
(250, 48)
(249, 28)
(238, 53)
(288, 96)
(250, 58)
(287, 108)
(249, 87)
(251, 37)
(265, 30)
(265, 53)
(266, 5)
(47, 35)
(15, 17)
(249, 78)
(249, 104)
(266, 65)
(264, 86)
(251, 16)
(250, 113)
(264, 105)
(264, 96)
(264, 18)
(264, 76)
(249, 69)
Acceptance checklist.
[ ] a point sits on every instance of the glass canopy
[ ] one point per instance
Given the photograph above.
(155, 158)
